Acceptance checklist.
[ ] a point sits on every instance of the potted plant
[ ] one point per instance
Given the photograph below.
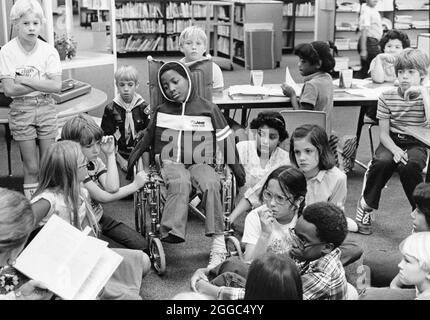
(65, 46)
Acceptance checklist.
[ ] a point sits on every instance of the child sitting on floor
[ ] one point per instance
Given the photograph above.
(186, 132)
(316, 239)
(102, 181)
(407, 105)
(125, 118)
(61, 192)
(415, 265)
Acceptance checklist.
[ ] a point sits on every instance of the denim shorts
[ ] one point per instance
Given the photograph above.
(33, 117)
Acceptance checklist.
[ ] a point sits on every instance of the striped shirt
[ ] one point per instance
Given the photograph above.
(401, 113)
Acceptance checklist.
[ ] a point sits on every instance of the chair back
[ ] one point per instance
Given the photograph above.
(296, 118)
(201, 73)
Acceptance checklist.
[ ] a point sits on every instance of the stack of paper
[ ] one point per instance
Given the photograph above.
(290, 81)
(70, 263)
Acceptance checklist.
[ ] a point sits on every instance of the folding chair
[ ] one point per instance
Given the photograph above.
(296, 118)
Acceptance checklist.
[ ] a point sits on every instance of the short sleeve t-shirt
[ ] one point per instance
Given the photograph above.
(40, 63)
(318, 91)
(371, 19)
(401, 113)
(95, 169)
(280, 242)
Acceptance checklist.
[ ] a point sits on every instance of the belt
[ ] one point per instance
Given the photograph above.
(41, 96)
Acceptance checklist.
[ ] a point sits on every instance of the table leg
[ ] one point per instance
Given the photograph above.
(244, 118)
(360, 123)
(428, 172)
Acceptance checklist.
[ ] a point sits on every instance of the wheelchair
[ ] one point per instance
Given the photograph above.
(148, 210)
(149, 201)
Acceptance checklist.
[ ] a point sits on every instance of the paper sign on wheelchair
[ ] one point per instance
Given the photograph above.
(70, 263)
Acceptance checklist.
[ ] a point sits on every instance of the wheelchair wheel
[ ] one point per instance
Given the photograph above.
(158, 257)
(233, 247)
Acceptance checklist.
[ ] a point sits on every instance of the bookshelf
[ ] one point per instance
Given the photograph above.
(412, 17)
(216, 18)
(298, 23)
(346, 36)
(150, 26)
(256, 12)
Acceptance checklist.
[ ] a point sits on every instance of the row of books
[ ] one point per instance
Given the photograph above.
(139, 43)
(96, 4)
(238, 33)
(223, 45)
(178, 10)
(177, 25)
(201, 11)
(346, 43)
(303, 9)
(239, 50)
(139, 10)
(140, 26)
(225, 31)
(412, 4)
(172, 43)
(238, 13)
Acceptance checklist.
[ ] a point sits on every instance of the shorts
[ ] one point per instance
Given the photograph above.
(33, 117)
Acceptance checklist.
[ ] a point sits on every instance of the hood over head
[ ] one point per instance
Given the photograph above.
(183, 70)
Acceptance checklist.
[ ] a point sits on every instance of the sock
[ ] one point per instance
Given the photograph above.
(29, 189)
(218, 243)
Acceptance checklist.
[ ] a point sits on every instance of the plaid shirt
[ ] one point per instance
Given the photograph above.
(324, 279)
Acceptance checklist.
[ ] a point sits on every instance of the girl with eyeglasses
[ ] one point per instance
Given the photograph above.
(61, 192)
(267, 228)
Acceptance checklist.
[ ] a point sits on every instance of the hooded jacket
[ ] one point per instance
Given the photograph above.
(189, 132)
(119, 115)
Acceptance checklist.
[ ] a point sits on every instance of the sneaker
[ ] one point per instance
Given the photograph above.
(365, 223)
(171, 238)
(216, 258)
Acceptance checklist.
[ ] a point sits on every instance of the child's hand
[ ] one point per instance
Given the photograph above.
(413, 90)
(20, 79)
(388, 58)
(107, 145)
(34, 290)
(200, 274)
(288, 90)
(400, 156)
(141, 178)
(266, 220)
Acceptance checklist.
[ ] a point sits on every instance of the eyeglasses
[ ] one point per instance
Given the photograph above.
(300, 243)
(281, 200)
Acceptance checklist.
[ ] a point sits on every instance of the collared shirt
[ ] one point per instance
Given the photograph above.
(324, 279)
(317, 90)
(327, 185)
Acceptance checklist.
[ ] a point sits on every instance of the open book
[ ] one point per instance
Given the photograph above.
(70, 263)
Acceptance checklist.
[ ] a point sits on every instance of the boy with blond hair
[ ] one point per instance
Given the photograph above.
(192, 43)
(125, 118)
(30, 70)
(400, 107)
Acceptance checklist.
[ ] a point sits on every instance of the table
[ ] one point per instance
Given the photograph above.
(94, 99)
(366, 97)
(423, 135)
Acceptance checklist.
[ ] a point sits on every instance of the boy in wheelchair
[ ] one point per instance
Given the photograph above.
(185, 131)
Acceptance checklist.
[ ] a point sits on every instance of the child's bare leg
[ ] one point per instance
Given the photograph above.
(30, 164)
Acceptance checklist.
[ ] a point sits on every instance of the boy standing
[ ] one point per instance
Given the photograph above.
(407, 105)
(370, 25)
(125, 117)
(30, 70)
